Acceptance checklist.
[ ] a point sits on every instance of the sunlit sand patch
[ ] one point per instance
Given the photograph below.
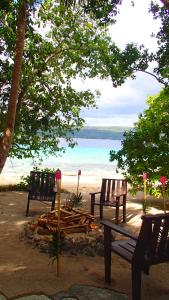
(3, 222)
(18, 223)
(11, 268)
(12, 204)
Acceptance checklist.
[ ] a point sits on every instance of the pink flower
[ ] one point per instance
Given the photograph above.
(163, 180)
(79, 172)
(58, 175)
(145, 176)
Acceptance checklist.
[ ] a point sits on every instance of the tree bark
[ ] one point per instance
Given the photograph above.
(6, 140)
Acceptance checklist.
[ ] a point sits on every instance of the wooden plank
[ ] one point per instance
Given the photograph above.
(122, 251)
(78, 210)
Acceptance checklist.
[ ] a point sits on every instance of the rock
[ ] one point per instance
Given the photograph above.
(89, 244)
(89, 251)
(85, 292)
(43, 246)
(100, 249)
(33, 297)
(2, 297)
(43, 231)
(69, 298)
(73, 252)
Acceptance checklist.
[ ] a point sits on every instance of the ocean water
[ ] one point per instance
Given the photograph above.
(91, 156)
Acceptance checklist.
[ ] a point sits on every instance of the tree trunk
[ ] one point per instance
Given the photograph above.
(6, 140)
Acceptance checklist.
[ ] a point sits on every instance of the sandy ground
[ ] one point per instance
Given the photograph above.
(25, 270)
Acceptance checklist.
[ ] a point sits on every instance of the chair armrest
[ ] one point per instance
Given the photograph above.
(95, 193)
(118, 229)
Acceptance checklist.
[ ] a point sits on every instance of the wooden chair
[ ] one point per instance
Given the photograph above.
(151, 247)
(113, 193)
(41, 188)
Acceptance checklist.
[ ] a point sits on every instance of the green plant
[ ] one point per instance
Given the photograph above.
(76, 199)
(56, 245)
(145, 206)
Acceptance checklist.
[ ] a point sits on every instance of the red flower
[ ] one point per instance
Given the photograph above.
(58, 174)
(79, 172)
(163, 180)
(145, 176)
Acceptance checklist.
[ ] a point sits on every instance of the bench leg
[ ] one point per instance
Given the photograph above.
(124, 209)
(136, 283)
(101, 212)
(92, 204)
(117, 211)
(53, 205)
(27, 209)
(107, 253)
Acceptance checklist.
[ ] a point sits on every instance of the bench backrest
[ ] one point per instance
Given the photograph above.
(111, 187)
(41, 186)
(153, 241)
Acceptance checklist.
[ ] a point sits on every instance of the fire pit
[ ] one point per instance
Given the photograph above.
(78, 232)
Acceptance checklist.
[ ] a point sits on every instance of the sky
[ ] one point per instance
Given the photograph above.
(121, 106)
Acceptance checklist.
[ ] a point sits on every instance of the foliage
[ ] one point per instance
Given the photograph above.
(76, 199)
(103, 10)
(72, 200)
(145, 148)
(12, 187)
(55, 245)
(61, 44)
(161, 56)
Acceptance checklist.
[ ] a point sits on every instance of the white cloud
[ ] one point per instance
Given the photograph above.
(122, 105)
(122, 120)
(135, 24)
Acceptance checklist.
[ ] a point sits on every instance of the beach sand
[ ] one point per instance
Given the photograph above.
(24, 269)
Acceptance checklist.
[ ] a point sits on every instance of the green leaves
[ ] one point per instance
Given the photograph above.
(161, 56)
(145, 148)
(61, 43)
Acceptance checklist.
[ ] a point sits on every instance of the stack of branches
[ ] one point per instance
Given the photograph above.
(72, 221)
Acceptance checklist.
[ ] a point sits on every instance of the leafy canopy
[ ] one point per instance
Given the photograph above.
(161, 55)
(145, 148)
(61, 44)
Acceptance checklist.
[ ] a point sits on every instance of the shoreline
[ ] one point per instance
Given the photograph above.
(88, 177)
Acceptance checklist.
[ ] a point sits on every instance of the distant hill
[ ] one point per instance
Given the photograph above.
(108, 133)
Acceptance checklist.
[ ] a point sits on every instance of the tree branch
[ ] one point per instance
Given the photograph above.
(151, 74)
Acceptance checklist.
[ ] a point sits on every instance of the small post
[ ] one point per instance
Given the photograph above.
(145, 176)
(78, 180)
(163, 181)
(58, 183)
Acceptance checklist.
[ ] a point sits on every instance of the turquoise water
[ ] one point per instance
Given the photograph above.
(91, 151)
(91, 156)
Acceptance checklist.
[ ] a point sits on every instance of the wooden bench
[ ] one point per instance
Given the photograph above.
(151, 247)
(41, 188)
(113, 193)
